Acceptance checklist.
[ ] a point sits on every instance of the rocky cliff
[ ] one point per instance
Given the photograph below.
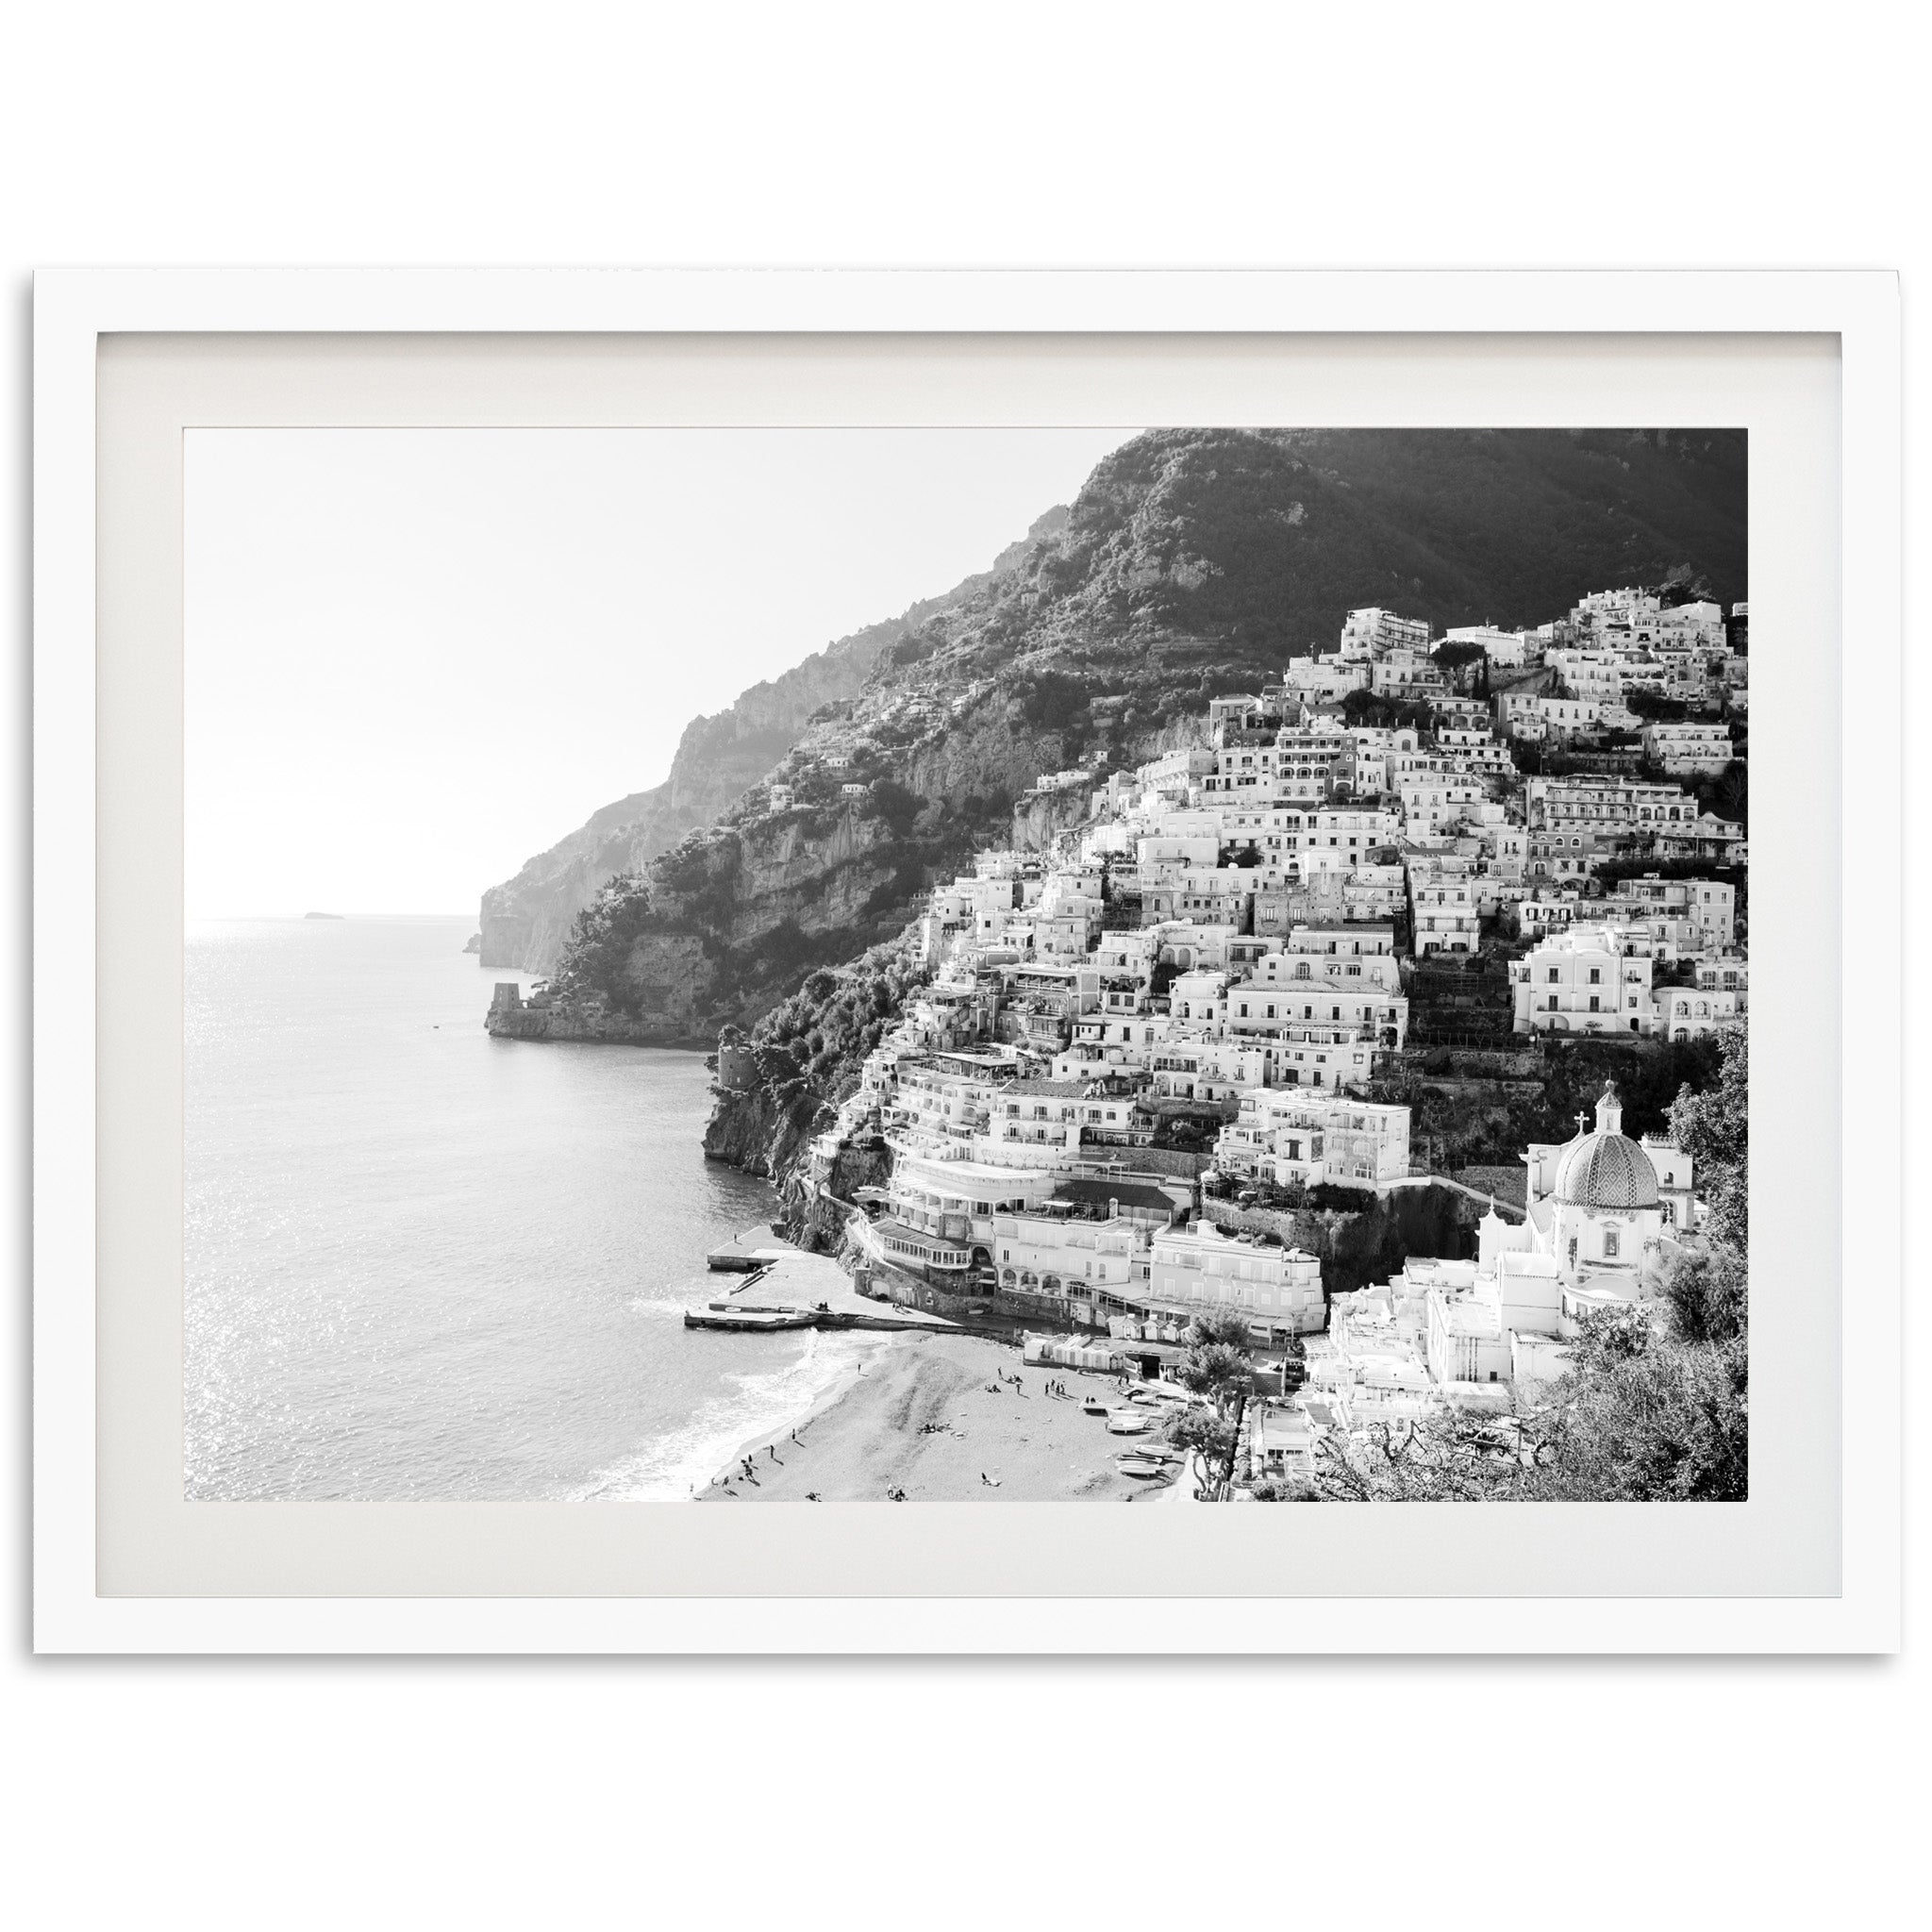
(526, 919)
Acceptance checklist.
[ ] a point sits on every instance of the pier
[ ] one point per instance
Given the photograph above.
(768, 1275)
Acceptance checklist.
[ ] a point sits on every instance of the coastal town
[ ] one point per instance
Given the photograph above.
(1143, 1080)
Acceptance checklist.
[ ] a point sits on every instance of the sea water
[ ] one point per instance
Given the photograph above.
(422, 1264)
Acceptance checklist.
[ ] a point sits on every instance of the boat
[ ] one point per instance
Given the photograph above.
(1094, 1406)
(1127, 1422)
(755, 1321)
(1144, 1467)
(1164, 1395)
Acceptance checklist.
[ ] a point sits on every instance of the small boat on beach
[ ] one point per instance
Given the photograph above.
(755, 1320)
(1159, 1395)
(1130, 1422)
(1094, 1406)
(1143, 1467)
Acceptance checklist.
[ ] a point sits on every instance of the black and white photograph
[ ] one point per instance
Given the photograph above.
(781, 773)
(1171, 966)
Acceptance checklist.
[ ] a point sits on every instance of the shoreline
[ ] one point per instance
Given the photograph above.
(802, 1277)
(941, 1417)
(828, 1398)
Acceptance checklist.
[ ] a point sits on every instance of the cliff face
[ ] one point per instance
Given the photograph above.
(526, 919)
(1041, 816)
(759, 1132)
(1190, 564)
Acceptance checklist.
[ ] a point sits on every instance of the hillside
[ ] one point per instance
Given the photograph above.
(1192, 564)
(524, 920)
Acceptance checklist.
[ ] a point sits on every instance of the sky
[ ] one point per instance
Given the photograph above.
(417, 657)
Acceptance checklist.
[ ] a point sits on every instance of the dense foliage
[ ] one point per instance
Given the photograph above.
(811, 1047)
(1458, 1127)
(1384, 714)
(594, 959)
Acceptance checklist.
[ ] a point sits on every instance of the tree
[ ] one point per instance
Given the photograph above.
(1730, 796)
(1456, 1457)
(1218, 1324)
(1707, 1291)
(1218, 1363)
(1207, 1434)
(1284, 1489)
(1216, 1369)
(1649, 1420)
(1654, 707)
(893, 803)
(1370, 707)
(1713, 1127)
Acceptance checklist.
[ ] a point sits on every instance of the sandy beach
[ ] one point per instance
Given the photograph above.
(871, 1435)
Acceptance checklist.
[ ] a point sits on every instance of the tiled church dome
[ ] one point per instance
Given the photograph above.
(1606, 1169)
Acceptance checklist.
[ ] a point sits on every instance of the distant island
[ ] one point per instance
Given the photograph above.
(322, 915)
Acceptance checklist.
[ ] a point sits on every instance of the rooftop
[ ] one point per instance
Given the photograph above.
(1127, 1194)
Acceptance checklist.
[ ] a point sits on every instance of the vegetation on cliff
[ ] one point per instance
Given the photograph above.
(1457, 1124)
(805, 1056)
(811, 1047)
(593, 967)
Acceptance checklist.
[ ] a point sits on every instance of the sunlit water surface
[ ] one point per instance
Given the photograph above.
(422, 1264)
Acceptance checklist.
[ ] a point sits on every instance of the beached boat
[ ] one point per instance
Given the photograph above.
(1094, 1406)
(1143, 1467)
(1130, 1422)
(755, 1320)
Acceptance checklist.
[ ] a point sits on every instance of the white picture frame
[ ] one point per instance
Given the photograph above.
(75, 310)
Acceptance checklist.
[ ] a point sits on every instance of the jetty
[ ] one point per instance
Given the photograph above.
(771, 1277)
